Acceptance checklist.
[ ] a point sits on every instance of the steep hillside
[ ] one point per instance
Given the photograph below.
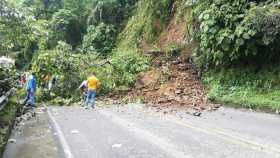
(188, 43)
(146, 23)
(160, 30)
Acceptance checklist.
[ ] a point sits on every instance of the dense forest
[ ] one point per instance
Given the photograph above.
(233, 44)
(69, 38)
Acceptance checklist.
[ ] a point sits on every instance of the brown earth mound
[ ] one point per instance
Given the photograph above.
(173, 82)
(179, 87)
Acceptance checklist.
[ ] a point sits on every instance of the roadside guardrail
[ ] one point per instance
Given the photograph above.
(5, 98)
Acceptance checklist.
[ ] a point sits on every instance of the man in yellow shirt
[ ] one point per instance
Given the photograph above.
(92, 84)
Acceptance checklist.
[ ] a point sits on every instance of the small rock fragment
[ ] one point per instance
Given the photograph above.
(12, 141)
(178, 91)
(197, 114)
(75, 131)
(117, 146)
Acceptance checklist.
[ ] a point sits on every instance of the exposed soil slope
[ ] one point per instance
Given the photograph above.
(173, 81)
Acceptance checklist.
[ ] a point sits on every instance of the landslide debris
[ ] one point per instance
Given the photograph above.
(173, 80)
(172, 83)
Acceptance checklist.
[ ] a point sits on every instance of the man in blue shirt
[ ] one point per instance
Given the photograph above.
(30, 90)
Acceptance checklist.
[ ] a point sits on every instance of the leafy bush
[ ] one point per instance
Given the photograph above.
(7, 79)
(236, 31)
(73, 68)
(121, 71)
(242, 86)
(100, 39)
(61, 62)
(264, 22)
(127, 66)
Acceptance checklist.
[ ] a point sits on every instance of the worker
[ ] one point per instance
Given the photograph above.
(93, 84)
(84, 89)
(30, 90)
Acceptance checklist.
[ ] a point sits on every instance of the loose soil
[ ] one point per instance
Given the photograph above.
(173, 81)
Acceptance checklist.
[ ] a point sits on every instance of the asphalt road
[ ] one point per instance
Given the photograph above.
(135, 131)
(33, 138)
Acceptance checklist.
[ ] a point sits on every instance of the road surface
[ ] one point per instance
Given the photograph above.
(135, 131)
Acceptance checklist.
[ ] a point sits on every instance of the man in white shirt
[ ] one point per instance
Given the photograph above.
(84, 88)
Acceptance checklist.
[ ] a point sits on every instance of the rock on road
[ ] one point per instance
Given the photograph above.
(136, 131)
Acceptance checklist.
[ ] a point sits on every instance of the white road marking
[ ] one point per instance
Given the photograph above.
(148, 136)
(60, 135)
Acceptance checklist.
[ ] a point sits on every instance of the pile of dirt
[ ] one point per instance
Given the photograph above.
(175, 33)
(174, 83)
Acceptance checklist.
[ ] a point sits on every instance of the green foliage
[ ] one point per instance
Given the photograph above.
(63, 63)
(105, 12)
(42, 8)
(89, 29)
(184, 11)
(66, 27)
(233, 34)
(77, 7)
(99, 39)
(7, 79)
(110, 11)
(245, 86)
(236, 31)
(127, 66)
(147, 22)
(11, 24)
(72, 69)
(264, 22)
(121, 71)
(21, 33)
(7, 116)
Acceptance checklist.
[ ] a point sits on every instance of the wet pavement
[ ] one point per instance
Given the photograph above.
(32, 137)
(139, 131)
(135, 131)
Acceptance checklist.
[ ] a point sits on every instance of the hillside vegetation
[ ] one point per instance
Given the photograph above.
(239, 50)
(232, 44)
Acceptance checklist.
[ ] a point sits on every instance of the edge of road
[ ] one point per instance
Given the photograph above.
(61, 138)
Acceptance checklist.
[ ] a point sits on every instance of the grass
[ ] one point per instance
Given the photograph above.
(148, 20)
(245, 87)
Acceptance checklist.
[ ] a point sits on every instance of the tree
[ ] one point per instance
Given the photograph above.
(110, 11)
(62, 62)
(42, 8)
(66, 27)
(99, 39)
